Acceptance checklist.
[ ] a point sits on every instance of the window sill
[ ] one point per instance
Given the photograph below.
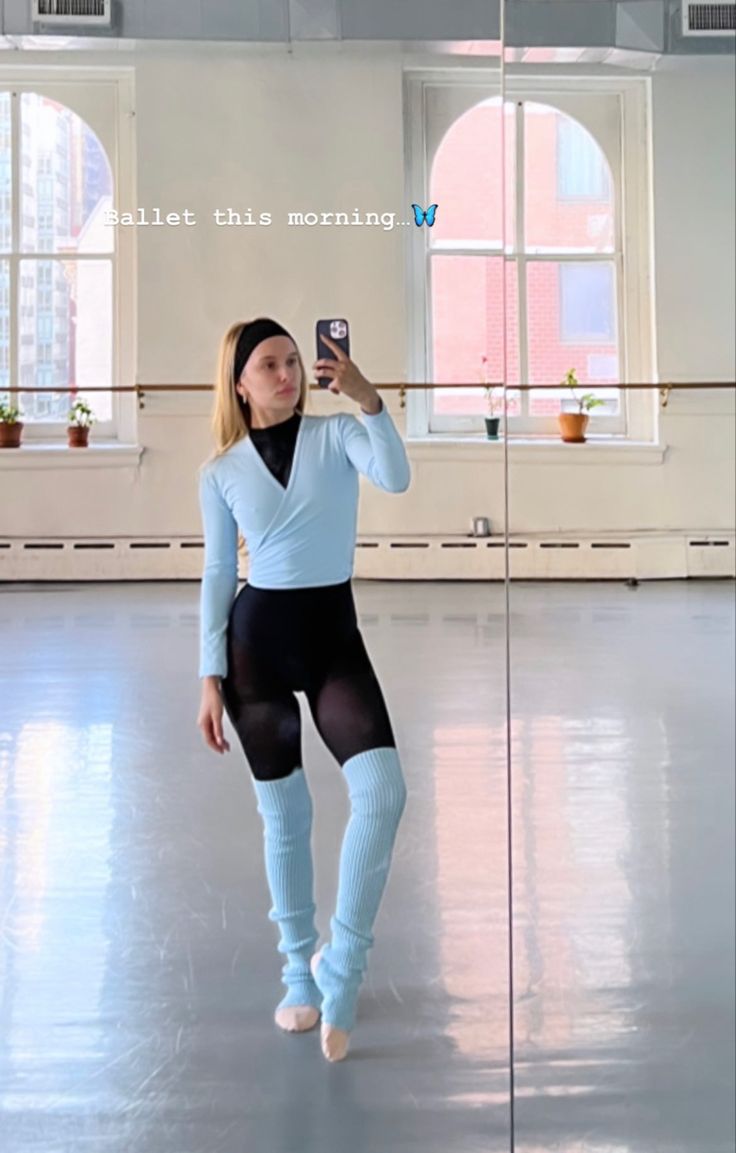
(57, 454)
(536, 450)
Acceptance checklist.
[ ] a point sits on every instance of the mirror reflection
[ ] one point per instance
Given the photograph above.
(621, 550)
(253, 758)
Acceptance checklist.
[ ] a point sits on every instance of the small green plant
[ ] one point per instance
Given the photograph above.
(585, 402)
(81, 415)
(9, 414)
(488, 388)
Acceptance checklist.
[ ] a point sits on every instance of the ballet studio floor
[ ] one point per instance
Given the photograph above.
(138, 967)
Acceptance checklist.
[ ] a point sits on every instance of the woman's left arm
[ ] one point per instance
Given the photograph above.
(374, 447)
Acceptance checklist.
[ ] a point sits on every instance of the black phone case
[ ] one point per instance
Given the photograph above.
(323, 350)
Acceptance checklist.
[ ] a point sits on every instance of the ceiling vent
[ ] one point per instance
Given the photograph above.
(57, 12)
(709, 19)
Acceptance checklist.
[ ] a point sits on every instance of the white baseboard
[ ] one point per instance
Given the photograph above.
(533, 556)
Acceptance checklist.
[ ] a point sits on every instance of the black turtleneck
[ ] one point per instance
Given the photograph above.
(276, 445)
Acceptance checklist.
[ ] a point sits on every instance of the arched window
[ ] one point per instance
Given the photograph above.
(57, 256)
(555, 233)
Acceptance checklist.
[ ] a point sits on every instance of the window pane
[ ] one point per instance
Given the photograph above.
(568, 191)
(582, 172)
(572, 324)
(466, 179)
(66, 184)
(587, 303)
(468, 324)
(6, 175)
(4, 329)
(65, 335)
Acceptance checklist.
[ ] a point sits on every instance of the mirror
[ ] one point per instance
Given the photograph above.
(621, 558)
(156, 186)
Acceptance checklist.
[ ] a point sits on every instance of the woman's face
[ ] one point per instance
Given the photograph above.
(272, 375)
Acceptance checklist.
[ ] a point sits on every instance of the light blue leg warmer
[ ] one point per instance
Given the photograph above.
(286, 809)
(378, 797)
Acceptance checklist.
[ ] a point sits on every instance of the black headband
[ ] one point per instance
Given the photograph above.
(250, 337)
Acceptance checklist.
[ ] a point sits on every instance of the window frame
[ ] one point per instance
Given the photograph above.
(103, 97)
(634, 272)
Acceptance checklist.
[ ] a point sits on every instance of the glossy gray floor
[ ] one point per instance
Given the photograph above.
(139, 970)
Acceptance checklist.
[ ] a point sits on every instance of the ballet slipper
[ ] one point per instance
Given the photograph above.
(297, 1018)
(335, 1042)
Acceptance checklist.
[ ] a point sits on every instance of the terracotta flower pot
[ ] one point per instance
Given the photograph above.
(77, 436)
(573, 426)
(10, 434)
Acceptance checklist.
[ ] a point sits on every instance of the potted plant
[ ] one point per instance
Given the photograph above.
(574, 424)
(491, 419)
(81, 419)
(11, 426)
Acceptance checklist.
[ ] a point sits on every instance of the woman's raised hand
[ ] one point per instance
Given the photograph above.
(347, 378)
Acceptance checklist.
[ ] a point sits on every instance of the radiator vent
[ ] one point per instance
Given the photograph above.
(409, 544)
(560, 544)
(709, 19)
(72, 11)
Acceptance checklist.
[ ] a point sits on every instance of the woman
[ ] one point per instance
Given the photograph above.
(289, 483)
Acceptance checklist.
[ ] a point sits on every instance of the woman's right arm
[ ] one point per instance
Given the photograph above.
(219, 586)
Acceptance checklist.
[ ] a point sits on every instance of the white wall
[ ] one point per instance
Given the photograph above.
(322, 131)
(695, 200)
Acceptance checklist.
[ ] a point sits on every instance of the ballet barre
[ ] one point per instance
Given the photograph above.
(402, 387)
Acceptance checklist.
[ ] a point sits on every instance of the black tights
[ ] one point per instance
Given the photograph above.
(282, 641)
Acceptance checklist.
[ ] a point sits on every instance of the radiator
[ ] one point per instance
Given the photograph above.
(535, 556)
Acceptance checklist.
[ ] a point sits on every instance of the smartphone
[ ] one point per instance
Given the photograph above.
(339, 333)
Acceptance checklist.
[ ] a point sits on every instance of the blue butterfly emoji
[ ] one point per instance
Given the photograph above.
(420, 216)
